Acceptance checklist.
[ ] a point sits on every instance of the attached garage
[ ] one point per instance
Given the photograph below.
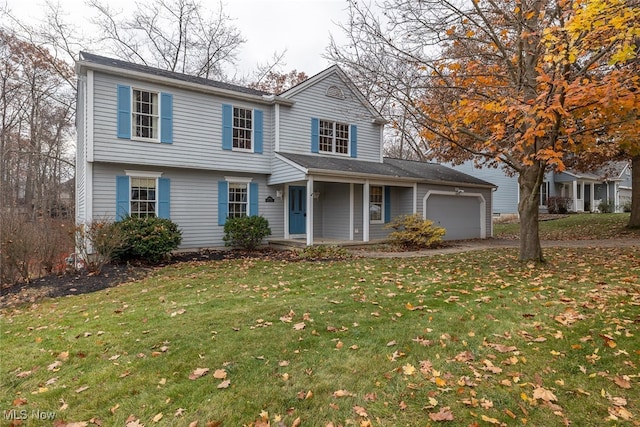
(462, 214)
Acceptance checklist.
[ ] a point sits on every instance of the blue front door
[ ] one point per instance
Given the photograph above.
(297, 210)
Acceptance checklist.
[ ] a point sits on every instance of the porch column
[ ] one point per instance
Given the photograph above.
(309, 222)
(575, 195)
(365, 211)
(592, 197)
(351, 211)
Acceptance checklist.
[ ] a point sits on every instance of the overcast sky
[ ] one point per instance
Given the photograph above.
(302, 27)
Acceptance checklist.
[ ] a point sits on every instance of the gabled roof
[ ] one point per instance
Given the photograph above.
(407, 170)
(145, 72)
(612, 171)
(335, 70)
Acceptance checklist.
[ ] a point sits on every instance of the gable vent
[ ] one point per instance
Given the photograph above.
(335, 92)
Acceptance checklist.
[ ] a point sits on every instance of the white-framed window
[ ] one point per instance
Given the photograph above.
(144, 197)
(238, 199)
(145, 114)
(334, 137)
(242, 128)
(544, 193)
(376, 203)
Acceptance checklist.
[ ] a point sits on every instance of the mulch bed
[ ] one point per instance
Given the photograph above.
(82, 282)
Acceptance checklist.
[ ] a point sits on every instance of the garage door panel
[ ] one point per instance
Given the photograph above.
(459, 215)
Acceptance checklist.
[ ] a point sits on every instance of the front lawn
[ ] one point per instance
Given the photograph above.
(576, 226)
(478, 338)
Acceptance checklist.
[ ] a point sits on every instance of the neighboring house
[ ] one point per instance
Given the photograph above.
(583, 190)
(153, 142)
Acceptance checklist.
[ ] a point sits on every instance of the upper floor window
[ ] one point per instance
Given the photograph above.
(242, 128)
(143, 197)
(334, 137)
(145, 114)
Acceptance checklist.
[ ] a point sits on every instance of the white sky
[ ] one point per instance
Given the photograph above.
(302, 27)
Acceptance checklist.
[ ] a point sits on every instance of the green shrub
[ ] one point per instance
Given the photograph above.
(607, 206)
(322, 252)
(246, 232)
(148, 238)
(413, 232)
(626, 206)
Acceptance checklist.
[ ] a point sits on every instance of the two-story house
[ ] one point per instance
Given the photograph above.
(197, 151)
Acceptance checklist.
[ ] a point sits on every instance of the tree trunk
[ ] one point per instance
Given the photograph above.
(529, 182)
(634, 220)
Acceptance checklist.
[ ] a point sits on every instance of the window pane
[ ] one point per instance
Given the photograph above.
(143, 196)
(242, 127)
(375, 203)
(145, 114)
(237, 199)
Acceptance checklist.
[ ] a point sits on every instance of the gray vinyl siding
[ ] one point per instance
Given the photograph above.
(197, 132)
(283, 172)
(506, 196)
(335, 218)
(295, 121)
(194, 201)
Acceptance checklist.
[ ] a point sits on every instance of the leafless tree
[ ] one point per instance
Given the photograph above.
(175, 35)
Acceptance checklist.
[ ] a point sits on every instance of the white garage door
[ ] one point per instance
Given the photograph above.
(459, 215)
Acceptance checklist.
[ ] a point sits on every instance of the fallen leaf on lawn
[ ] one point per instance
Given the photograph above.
(224, 384)
(490, 420)
(299, 326)
(618, 412)
(342, 393)
(64, 355)
(64, 405)
(197, 373)
(157, 418)
(20, 401)
(114, 408)
(81, 389)
(622, 382)
(297, 422)
(544, 394)
(132, 422)
(465, 356)
(503, 348)
(77, 424)
(23, 374)
(220, 374)
(408, 369)
(618, 401)
(181, 311)
(444, 414)
(339, 345)
(360, 411)
(54, 365)
(568, 317)
(391, 343)
(283, 363)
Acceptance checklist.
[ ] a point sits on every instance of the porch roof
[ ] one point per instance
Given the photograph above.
(417, 171)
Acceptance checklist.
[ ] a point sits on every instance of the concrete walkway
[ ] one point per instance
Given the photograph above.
(479, 245)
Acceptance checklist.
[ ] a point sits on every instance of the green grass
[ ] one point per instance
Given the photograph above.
(486, 329)
(576, 226)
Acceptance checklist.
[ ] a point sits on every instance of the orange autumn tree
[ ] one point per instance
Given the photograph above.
(525, 84)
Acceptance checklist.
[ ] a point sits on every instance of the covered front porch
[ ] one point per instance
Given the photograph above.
(330, 210)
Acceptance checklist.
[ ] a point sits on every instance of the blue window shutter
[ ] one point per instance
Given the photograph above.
(223, 202)
(387, 204)
(124, 111)
(353, 134)
(253, 199)
(315, 135)
(227, 126)
(257, 131)
(122, 197)
(164, 197)
(166, 118)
